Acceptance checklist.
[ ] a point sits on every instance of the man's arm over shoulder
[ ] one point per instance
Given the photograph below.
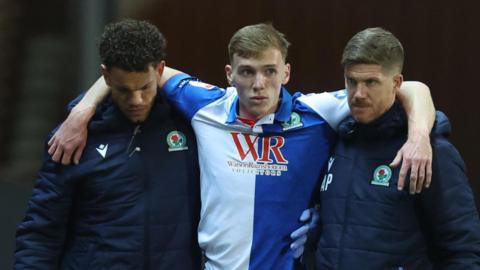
(40, 237)
(450, 210)
(183, 91)
(187, 93)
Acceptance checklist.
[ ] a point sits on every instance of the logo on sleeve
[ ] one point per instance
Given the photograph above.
(340, 94)
(382, 176)
(102, 149)
(201, 84)
(177, 141)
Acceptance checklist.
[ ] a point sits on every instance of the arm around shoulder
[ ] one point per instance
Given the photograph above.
(416, 153)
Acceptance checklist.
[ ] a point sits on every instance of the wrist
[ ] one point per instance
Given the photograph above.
(417, 134)
(82, 113)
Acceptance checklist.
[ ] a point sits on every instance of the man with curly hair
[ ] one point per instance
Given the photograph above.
(133, 202)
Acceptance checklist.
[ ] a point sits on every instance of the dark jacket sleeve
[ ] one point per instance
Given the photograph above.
(453, 226)
(40, 236)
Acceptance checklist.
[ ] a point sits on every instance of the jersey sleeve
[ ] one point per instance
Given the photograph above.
(331, 106)
(189, 95)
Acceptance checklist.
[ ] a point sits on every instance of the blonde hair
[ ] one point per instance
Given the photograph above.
(252, 40)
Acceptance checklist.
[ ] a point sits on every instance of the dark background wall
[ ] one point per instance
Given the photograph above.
(441, 41)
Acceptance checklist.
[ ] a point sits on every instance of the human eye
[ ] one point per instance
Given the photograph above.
(351, 82)
(270, 71)
(371, 82)
(246, 72)
(122, 90)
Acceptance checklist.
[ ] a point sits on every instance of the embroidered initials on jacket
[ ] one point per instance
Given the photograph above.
(328, 177)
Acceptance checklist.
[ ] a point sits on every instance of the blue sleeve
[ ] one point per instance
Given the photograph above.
(40, 236)
(450, 212)
(189, 95)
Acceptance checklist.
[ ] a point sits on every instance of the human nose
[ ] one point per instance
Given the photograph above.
(360, 91)
(136, 98)
(259, 82)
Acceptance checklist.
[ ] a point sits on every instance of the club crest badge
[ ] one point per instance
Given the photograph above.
(177, 141)
(382, 176)
(295, 121)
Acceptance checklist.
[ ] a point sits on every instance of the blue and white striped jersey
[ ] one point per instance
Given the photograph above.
(255, 181)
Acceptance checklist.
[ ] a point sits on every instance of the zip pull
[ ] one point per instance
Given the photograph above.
(135, 132)
(137, 149)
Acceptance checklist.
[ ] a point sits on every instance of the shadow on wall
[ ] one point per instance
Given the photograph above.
(13, 203)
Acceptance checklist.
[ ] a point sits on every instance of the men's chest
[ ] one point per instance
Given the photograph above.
(360, 190)
(237, 150)
(362, 172)
(141, 159)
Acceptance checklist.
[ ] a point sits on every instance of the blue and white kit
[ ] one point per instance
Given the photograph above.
(255, 181)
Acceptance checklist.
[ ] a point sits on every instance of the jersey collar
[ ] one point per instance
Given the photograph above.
(282, 114)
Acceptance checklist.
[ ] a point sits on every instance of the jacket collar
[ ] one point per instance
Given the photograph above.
(391, 123)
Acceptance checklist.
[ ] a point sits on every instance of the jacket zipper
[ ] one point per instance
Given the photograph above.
(131, 149)
(136, 131)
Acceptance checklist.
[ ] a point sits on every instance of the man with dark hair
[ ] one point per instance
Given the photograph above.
(261, 149)
(366, 222)
(133, 202)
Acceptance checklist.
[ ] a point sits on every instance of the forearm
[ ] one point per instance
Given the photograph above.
(417, 102)
(94, 96)
(85, 109)
(99, 90)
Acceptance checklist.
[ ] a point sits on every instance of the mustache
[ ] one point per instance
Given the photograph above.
(360, 104)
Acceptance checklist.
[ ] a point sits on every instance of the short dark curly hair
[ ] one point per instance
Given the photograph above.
(131, 45)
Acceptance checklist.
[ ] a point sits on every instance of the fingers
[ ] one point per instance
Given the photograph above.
(78, 154)
(421, 176)
(300, 232)
(297, 253)
(68, 152)
(413, 177)
(396, 161)
(298, 246)
(428, 180)
(57, 155)
(67, 155)
(299, 242)
(52, 139)
(53, 146)
(305, 215)
(401, 178)
(402, 175)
